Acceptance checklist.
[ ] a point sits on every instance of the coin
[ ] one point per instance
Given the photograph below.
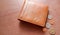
(49, 17)
(48, 25)
(44, 29)
(52, 32)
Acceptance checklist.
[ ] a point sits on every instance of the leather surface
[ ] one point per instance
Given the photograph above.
(34, 12)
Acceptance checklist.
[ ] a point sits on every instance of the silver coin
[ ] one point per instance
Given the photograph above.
(48, 25)
(49, 17)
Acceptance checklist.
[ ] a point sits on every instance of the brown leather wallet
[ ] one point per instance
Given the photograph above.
(34, 12)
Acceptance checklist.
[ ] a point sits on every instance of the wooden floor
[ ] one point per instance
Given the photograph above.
(9, 25)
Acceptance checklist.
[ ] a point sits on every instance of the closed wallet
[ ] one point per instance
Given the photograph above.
(34, 12)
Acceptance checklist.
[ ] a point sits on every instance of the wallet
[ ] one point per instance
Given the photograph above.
(34, 12)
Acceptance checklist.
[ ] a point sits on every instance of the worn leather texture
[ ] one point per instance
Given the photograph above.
(34, 12)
